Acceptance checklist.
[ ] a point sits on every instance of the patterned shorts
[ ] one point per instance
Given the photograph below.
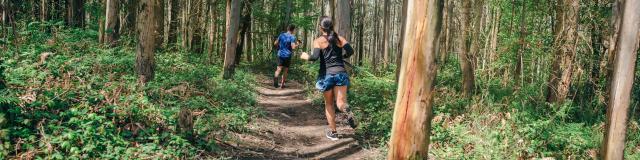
(327, 82)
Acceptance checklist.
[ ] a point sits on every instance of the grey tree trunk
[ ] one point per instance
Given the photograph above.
(233, 22)
(150, 12)
(624, 69)
(174, 10)
(111, 22)
(465, 58)
(385, 35)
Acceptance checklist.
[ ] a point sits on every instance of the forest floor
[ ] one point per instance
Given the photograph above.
(293, 128)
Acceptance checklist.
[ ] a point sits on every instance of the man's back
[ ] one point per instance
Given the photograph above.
(284, 44)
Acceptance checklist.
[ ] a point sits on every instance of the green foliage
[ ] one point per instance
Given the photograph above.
(83, 101)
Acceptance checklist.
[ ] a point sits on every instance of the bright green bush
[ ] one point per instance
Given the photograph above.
(84, 102)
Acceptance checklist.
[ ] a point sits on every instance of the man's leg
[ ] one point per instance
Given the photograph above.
(284, 76)
(276, 75)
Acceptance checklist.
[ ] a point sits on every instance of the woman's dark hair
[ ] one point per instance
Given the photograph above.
(326, 24)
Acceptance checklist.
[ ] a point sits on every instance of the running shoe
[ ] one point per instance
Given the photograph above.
(332, 135)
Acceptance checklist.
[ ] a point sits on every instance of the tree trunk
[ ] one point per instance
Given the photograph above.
(343, 18)
(44, 12)
(523, 29)
(248, 46)
(287, 15)
(624, 70)
(111, 22)
(213, 14)
(385, 35)
(327, 7)
(565, 50)
(361, 40)
(413, 110)
(174, 10)
(101, 31)
(465, 58)
(150, 12)
(403, 22)
(130, 17)
(75, 13)
(375, 49)
(185, 23)
(245, 22)
(196, 31)
(606, 65)
(233, 22)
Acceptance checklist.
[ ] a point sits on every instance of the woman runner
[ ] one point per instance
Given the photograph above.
(332, 77)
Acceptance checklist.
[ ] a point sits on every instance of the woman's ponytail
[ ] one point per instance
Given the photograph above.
(326, 24)
(333, 37)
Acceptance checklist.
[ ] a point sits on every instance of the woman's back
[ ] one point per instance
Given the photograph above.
(331, 58)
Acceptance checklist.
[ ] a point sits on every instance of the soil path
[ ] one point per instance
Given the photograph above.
(293, 128)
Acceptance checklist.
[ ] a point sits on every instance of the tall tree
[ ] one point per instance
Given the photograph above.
(343, 18)
(174, 10)
(565, 43)
(403, 21)
(521, 48)
(624, 70)
(413, 110)
(44, 10)
(234, 8)
(75, 13)
(465, 57)
(196, 30)
(385, 34)
(328, 7)
(111, 22)
(150, 12)
(213, 16)
(129, 21)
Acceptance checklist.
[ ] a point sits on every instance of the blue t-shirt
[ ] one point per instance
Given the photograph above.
(284, 45)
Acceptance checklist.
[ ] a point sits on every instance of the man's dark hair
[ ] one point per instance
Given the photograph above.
(291, 27)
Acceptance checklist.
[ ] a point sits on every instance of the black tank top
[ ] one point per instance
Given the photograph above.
(331, 61)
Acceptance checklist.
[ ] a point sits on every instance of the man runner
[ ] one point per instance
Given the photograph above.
(286, 42)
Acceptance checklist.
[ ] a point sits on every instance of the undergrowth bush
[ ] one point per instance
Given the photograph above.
(75, 99)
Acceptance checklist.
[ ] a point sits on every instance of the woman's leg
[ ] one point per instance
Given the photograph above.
(343, 105)
(328, 109)
(341, 97)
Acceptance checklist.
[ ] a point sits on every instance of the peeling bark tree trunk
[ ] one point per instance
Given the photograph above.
(150, 12)
(625, 62)
(565, 50)
(111, 22)
(233, 22)
(413, 110)
(465, 58)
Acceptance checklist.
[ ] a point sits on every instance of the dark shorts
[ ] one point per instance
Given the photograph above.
(285, 62)
(327, 82)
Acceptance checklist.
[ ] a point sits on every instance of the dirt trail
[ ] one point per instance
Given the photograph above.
(293, 128)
